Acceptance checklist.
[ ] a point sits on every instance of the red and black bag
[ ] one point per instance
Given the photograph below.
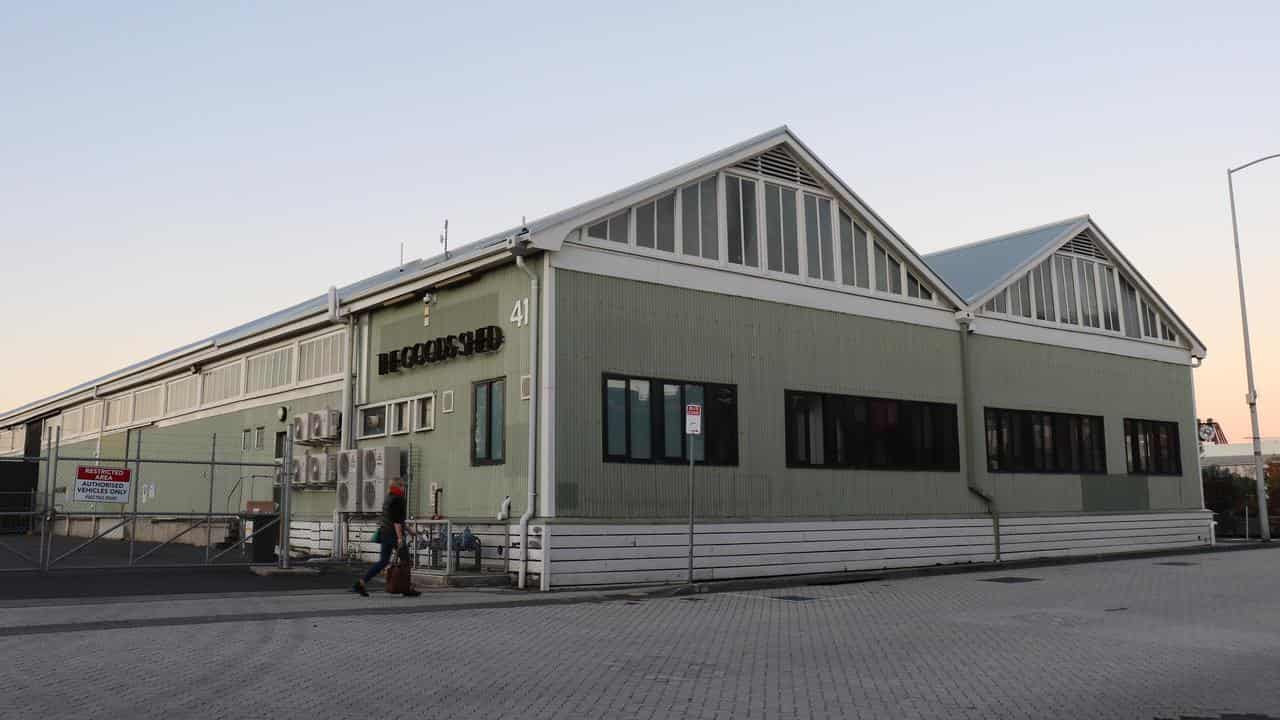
(399, 572)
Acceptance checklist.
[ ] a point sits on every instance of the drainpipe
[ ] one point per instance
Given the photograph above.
(519, 246)
(965, 318)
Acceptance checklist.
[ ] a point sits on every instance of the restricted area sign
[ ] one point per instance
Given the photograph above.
(692, 419)
(102, 484)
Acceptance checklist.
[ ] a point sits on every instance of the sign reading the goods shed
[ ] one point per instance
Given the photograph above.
(102, 484)
(473, 342)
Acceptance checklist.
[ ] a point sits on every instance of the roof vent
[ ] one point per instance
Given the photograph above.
(1083, 244)
(778, 163)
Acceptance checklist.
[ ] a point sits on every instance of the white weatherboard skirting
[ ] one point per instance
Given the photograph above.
(603, 554)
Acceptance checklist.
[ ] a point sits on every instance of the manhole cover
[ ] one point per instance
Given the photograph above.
(1011, 579)
(792, 598)
(1178, 563)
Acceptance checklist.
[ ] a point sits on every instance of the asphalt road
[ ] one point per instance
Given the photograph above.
(1194, 636)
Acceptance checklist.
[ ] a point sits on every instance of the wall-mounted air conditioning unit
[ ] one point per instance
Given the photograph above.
(315, 469)
(324, 424)
(298, 469)
(380, 464)
(300, 429)
(349, 476)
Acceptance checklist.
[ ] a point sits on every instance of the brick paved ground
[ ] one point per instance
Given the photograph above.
(1127, 639)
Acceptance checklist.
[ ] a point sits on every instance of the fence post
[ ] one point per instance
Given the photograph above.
(208, 518)
(137, 490)
(46, 521)
(286, 485)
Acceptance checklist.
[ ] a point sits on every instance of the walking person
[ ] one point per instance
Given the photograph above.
(392, 533)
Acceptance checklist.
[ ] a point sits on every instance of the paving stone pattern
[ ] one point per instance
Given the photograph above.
(1127, 639)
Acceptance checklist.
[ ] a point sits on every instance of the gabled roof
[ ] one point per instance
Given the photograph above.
(978, 271)
(549, 232)
(974, 269)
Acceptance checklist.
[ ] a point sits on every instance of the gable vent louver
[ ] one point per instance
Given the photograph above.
(778, 163)
(1082, 244)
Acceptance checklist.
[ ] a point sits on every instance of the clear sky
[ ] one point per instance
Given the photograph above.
(169, 170)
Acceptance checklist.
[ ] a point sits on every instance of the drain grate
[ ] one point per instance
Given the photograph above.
(1178, 563)
(1115, 609)
(792, 598)
(1011, 579)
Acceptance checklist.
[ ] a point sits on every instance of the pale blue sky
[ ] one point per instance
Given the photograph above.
(172, 171)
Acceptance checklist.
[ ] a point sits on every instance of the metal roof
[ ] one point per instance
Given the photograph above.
(976, 268)
(303, 309)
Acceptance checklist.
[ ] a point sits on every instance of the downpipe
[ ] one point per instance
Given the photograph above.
(965, 319)
(531, 502)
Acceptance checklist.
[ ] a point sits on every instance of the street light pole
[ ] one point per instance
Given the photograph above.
(1252, 397)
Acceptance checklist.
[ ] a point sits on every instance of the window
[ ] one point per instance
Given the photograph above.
(1110, 303)
(72, 422)
(781, 244)
(1066, 290)
(148, 403)
(740, 220)
(424, 413)
(699, 225)
(221, 383)
(656, 224)
(182, 394)
(853, 267)
(1166, 332)
(817, 238)
(446, 402)
(373, 421)
(845, 431)
(1042, 442)
(1149, 322)
(1129, 303)
(644, 421)
(93, 417)
(1151, 447)
(259, 438)
(400, 417)
(1020, 297)
(917, 289)
(270, 369)
(1088, 293)
(282, 437)
(321, 357)
(246, 439)
(119, 410)
(1042, 284)
(488, 418)
(613, 229)
(888, 272)
(999, 303)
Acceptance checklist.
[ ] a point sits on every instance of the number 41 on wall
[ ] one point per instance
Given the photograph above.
(520, 312)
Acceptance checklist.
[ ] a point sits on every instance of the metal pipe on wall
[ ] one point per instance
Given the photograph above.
(971, 455)
(531, 502)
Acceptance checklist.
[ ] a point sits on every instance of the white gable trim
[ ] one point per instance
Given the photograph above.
(1186, 337)
(674, 272)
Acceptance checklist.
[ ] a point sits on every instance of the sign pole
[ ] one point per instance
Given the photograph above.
(692, 428)
(691, 514)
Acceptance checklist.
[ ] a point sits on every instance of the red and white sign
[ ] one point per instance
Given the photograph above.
(692, 419)
(102, 484)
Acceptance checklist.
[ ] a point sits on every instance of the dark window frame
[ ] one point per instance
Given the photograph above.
(898, 442)
(488, 420)
(657, 454)
(1132, 456)
(1046, 456)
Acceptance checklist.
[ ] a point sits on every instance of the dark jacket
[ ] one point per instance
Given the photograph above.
(394, 510)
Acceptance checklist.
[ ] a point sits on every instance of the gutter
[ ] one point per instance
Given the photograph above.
(520, 245)
(965, 319)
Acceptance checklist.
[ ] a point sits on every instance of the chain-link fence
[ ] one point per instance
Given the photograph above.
(153, 500)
